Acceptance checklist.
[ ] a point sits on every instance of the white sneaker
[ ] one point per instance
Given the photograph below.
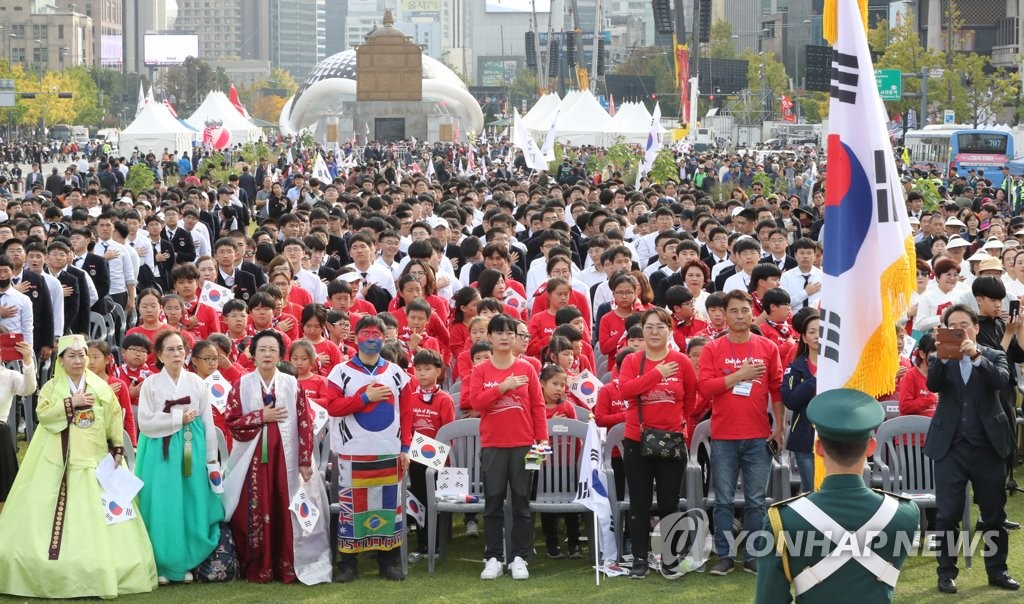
(492, 569)
(471, 529)
(518, 569)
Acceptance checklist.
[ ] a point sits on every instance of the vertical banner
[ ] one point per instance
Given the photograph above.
(683, 77)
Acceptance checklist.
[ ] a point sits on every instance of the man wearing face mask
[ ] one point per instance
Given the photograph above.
(370, 401)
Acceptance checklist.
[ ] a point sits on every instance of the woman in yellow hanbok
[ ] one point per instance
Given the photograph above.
(54, 531)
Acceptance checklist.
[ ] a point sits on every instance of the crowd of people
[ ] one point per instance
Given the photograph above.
(371, 293)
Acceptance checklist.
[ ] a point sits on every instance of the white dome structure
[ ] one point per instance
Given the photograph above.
(332, 83)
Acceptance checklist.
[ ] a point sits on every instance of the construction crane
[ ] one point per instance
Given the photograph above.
(582, 75)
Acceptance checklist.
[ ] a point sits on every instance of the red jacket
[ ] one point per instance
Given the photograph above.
(428, 417)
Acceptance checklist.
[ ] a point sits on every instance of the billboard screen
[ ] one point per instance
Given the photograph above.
(420, 9)
(517, 6)
(170, 49)
(111, 51)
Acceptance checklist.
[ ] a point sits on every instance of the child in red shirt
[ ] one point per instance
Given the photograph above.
(542, 324)
(199, 320)
(417, 314)
(313, 323)
(679, 301)
(580, 361)
(432, 408)
(303, 357)
(135, 349)
(915, 398)
(716, 317)
(150, 322)
(262, 308)
(572, 316)
(553, 385)
(613, 324)
(174, 313)
(478, 353)
(776, 326)
(702, 405)
(610, 411)
(465, 301)
(464, 362)
(100, 360)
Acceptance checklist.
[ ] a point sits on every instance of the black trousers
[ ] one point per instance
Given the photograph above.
(641, 472)
(504, 470)
(418, 487)
(986, 471)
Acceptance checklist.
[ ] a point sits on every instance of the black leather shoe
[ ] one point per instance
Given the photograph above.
(1010, 525)
(346, 574)
(392, 573)
(947, 586)
(1004, 581)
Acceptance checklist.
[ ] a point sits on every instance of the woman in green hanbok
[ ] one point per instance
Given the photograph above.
(56, 536)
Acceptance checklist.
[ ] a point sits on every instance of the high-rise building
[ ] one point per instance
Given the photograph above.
(50, 39)
(298, 38)
(335, 24)
(107, 23)
(218, 24)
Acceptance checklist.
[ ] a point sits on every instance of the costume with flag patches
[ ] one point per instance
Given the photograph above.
(367, 437)
(182, 512)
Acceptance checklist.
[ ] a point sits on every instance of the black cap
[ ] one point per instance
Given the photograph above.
(224, 191)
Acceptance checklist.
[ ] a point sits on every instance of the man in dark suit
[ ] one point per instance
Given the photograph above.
(93, 265)
(181, 240)
(33, 178)
(33, 286)
(969, 439)
(247, 182)
(241, 283)
(76, 306)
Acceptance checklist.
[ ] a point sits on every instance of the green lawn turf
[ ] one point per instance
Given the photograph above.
(457, 580)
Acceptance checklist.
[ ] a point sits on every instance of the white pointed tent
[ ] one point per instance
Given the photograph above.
(154, 130)
(542, 110)
(217, 107)
(583, 123)
(631, 123)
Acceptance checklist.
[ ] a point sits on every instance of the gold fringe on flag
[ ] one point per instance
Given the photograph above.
(830, 18)
(876, 372)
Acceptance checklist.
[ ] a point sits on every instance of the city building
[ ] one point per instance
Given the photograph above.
(298, 38)
(44, 41)
(107, 46)
(218, 24)
(1008, 47)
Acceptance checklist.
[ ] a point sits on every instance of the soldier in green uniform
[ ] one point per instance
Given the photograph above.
(842, 516)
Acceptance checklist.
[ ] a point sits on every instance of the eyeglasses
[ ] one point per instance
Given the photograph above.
(655, 327)
(524, 336)
(137, 350)
(250, 254)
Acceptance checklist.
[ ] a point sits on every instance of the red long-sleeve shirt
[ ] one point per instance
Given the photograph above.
(429, 416)
(610, 409)
(125, 401)
(684, 331)
(315, 387)
(580, 301)
(733, 416)
(458, 338)
(666, 401)
(333, 353)
(915, 398)
(514, 419)
(609, 332)
(542, 325)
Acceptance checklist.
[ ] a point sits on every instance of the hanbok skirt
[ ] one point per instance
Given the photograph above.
(8, 461)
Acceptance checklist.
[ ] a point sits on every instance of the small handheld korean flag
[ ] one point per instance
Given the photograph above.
(452, 482)
(320, 416)
(114, 512)
(219, 388)
(414, 508)
(585, 387)
(305, 512)
(429, 452)
(216, 477)
(215, 296)
(514, 300)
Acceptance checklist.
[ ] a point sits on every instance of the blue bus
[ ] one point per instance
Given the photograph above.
(961, 149)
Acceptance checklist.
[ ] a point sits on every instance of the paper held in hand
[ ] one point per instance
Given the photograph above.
(427, 451)
(119, 488)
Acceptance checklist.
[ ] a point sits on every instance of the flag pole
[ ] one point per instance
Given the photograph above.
(597, 550)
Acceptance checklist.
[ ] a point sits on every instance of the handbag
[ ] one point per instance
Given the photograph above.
(221, 565)
(658, 444)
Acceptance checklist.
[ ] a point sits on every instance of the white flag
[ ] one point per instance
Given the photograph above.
(653, 145)
(149, 96)
(320, 171)
(142, 100)
(585, 387)
(305, 511)
(431, 171)
(592, 492)
(219, 389)
(429, 452)
(513, 299)
(215, 296)
(521, 138)
(415, 508)
(291, 158)
(549, 140)
(114, 512)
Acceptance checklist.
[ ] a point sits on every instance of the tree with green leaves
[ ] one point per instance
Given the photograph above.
(900, 48)
(721, 44)
(984, 93)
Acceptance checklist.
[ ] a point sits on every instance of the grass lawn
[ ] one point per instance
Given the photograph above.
(457, 580)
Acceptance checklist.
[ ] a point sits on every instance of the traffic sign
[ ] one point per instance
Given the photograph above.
(948, 116)
(890, 84)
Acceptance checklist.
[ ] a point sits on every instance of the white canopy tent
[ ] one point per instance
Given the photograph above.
(154, 130)
(542, 110)
(583, 123)
(217, 108)
(631, 123)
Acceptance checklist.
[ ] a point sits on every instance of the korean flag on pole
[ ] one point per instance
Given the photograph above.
(215, 296)
(429, 452)
(592, 492)
(585, 387)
